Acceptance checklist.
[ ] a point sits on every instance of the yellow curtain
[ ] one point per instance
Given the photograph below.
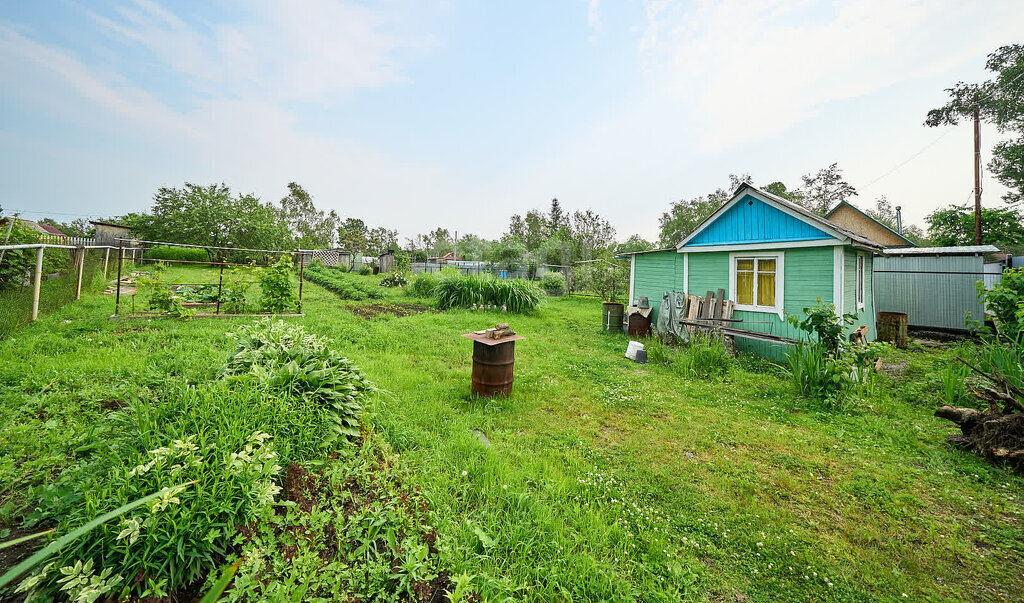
(745, 282)
(766, 282)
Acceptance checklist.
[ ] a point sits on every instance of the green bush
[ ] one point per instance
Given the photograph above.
(395, 279)
(344, 285)
(553, 283)
(279, 294)
(365, 270)
(290, 361)
(173, 252)
(516, 295)
(423, 284)
(1006, 301)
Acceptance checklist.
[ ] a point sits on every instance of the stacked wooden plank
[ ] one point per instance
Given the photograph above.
(499, 331)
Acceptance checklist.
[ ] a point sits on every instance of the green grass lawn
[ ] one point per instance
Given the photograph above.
(603, 479)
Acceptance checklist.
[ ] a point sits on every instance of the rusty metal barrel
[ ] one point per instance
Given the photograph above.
(612, 317)
(493, 364)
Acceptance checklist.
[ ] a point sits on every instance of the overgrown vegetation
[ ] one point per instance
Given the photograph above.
(823, 364)
(394, 279)
(173, 252)
(553, 283)
(424, 284)
(344, 285)
(279, 290)
(458, 291)
(600, 479)
(704, 357)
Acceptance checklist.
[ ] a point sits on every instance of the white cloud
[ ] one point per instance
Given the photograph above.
(745, 70)
(310, 51)
(594, 19)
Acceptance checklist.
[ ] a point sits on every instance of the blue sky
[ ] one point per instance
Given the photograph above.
(458, 114)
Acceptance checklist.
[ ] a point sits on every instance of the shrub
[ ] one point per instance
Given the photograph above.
(395, 279)
(276, 281)
(365, 270)
(290, 361)
(553, 283)
(516, 295)
(423, 284)
(161, 298)
(1006, 301)
(173, 252)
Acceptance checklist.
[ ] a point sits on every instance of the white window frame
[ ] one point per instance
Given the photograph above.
(859, 286)
(780, 272)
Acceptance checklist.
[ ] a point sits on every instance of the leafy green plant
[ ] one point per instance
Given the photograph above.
(705, 357)
(816, 373)
(423, 284)
(395, 279)
(1006, 302)
(365, 270)
(237, 283)
(460, 291)
(553, 283)
(954, 388)
(161, 297)
(827, 327)
(290, 361)
(278, 291)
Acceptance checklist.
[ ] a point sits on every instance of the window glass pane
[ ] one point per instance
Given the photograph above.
(744, 264)
(745, 288)
(766, 265)
(766, 288)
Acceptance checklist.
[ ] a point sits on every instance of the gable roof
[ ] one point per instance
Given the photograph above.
(787, 207)
(857, 209)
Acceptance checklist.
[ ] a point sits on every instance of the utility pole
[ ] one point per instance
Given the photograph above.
(977, 173)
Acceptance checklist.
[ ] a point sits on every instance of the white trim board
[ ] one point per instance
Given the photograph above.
(686, 273)
(780, 283)
(838, 274)
(632, 276)
(762, 246)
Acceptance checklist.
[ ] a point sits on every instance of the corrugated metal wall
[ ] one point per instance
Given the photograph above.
(933, 291)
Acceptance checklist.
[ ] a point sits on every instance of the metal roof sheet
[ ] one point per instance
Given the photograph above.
(961, 250)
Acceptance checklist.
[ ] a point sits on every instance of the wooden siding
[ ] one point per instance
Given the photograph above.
(655, 274)
(751, 220)
(865, 317)
(808, 276)
(851, 219)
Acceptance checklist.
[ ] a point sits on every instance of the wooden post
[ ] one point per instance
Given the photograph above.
(977, 173)
(220, 288)
(302, 266)
(106, 259)
(36, 282)
(120, 255)
(80, 255)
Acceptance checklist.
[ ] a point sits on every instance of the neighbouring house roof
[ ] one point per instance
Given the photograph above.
(625, 254)
(99, 223)
(448, 256)
(824, 228)
(36, 226)
(849, 205)
(960, 250)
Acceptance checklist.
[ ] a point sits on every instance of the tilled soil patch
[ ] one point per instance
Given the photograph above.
(371, 311)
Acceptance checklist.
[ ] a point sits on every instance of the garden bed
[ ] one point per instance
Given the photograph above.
(374, 309)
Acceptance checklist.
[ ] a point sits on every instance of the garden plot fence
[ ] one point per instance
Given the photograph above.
(230, 289)
(39, 278)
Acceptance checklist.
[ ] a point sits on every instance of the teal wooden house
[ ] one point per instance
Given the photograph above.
(772, 258)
